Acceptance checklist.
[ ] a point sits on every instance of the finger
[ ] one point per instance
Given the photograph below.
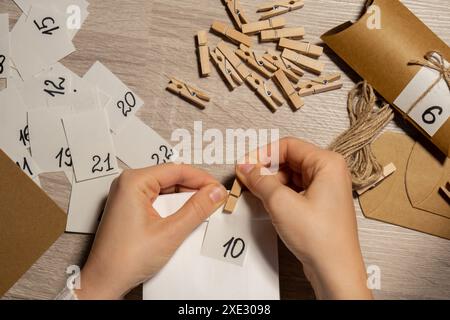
(196, 210)
(176, 189)
(265, 186)
(154, 179)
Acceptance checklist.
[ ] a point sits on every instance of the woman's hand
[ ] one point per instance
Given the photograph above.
(311, 205)
(133, 242)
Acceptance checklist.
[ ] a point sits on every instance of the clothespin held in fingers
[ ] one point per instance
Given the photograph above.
(256, 27)
(387, 171)
(233, 197)
(194, 96)
(445, 191)
(276, 34)
(288, 89)
(303, 61)
(231, 33)
(236, 12)
(262, 88)
(276, 8)
(305, 48)
(261, 65)
(292, 71)
(232, 78)
(321, 84)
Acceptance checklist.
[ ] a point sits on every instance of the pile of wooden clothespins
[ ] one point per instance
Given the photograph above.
(243, 64)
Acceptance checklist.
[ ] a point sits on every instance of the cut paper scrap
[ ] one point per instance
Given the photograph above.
(4, 46)
(22, 158)
(425, 174)
(213, 279)
(124, 103)
(138, 146)
(87, 202)
(389, 201)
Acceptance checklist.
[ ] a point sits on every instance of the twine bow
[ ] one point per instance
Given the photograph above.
(435, 61)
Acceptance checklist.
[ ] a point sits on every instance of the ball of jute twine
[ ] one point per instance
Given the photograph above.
(366, 122)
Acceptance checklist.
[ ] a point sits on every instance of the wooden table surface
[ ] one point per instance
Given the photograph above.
(144, 42)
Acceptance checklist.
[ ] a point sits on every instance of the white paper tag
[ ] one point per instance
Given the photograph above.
(4, 46)
(434, 109)
(90, 144)
(123, 104)
(14, 133)
(47, 138)
(211, 278)
(24, 161)
(87, 201)
(139, 146)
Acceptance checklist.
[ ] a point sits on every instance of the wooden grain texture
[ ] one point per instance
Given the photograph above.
(144, 42)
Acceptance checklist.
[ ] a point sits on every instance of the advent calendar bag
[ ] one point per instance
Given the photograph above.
(384, 47)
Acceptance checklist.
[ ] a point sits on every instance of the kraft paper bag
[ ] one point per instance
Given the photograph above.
(390, 201)
(30, 222)
(381, 57)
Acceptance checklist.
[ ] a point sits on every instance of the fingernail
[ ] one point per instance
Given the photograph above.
(246, 168)
(218, 194)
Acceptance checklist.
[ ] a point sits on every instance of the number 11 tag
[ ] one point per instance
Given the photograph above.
(227, 237)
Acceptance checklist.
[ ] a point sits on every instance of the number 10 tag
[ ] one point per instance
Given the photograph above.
(227, 237)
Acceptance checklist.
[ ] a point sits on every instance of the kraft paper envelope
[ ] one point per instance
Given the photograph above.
(425, 174)
(29, 222)
(389, 201)
(381, 56)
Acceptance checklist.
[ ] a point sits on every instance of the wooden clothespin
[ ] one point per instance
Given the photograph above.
(233, 197)
(292, 71)
(230, 75)
(387, 171)
(258, 26)
(262, 88)
(305, 48)
(321, 84)
(292, 33)
(187, 92)
(303, 61)
(236, 12)
(203, 52)
(261, 65)
(445, 191)
(288, 89)
(276, 8)
(237, 64)
(231, 33)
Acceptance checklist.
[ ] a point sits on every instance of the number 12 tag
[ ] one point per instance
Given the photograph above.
(227, 237)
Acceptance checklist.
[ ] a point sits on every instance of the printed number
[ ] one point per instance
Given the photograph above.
(168, 153)
(25, 166)
(429, 117)
(24, 135)
(44, 27)
(97, 167)
(130, 102)
(2, 59)
(233, 244)
(64, 153)
(57, 89)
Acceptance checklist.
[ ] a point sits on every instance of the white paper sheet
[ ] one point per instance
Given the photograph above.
(13, 121)
(189, 275)
(24, 161)
(47, 139)
(139, 146)
(123, 104)
(90, 144)
(4, 46)
(87, 202)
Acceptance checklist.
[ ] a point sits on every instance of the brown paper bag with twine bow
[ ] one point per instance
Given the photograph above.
(391, 56)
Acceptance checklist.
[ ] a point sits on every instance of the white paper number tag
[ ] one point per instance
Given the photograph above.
(123, 104)
(434, 109)
(4, 46)
(90, 145)
(139, 146)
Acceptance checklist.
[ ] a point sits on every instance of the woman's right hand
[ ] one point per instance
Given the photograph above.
(311, 205)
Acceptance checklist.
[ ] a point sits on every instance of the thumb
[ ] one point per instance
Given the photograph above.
(197, 209)
(265, 186)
